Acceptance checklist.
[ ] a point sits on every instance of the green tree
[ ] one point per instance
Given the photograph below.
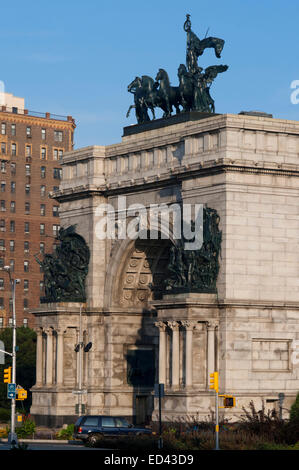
(26, 359)
(294, 413)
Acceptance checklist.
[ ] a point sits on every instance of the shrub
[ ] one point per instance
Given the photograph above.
(27, 429)
(294, 413)
(3, 433)
(66, 433)
(261, 423)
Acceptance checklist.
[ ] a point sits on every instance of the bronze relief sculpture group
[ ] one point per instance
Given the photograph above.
(193, 91)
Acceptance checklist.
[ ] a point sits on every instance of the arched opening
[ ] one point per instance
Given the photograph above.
(142, 275)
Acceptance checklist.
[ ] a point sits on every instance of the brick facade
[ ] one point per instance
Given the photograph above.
(28, 173)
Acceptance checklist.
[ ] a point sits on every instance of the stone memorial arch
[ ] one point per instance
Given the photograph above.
(243, 167)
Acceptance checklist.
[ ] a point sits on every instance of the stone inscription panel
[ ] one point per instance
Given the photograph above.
(270, 355)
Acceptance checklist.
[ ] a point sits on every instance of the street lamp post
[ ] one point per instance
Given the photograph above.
(12, 437)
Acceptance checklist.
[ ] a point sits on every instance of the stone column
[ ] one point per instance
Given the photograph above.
(49, 357)
(59, 356)
(211, 359)
(39, 356)
(189, 326)
(162, 351)
(175, 357)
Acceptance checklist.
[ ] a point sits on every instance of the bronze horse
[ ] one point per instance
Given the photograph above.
(169, 95)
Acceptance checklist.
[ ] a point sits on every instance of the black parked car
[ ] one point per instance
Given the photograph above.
(92, 428)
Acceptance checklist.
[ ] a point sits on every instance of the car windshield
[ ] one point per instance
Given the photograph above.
(121, 422)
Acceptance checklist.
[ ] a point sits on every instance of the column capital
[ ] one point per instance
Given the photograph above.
(161, 325)
(49, 331)
(212, 324)
(173, 325)
(60, 331)
(188, 324)
(39, 331)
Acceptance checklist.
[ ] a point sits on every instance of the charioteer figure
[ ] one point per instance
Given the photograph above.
(193, 92)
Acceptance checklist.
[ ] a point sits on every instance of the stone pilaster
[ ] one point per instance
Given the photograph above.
(189, 327)
(175, 358)
(162, 351)
(49, 357)
(59, 356)
(39, 357)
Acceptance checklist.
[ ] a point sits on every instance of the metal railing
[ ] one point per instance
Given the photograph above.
(57, 117)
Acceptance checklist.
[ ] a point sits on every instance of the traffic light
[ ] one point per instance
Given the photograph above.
(22, 394)
(7, 375)
(229, 402)
(214, 381)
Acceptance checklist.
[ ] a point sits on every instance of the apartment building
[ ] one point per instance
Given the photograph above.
(31, 149)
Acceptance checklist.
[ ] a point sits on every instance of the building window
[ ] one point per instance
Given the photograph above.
(28, 131)
(1, 303)
(3, 148)
(10, 309)
(1, 262)
(25, 322)
(13, 129)
(42, 171)
(26, 247)
(26, 266)
(26, 284)
(1, 322)
(55, 230)
(13, 149)
(12, 245)
(27, 207)
(42, 229)
(27, 227)
(12, 186)
(60, 153)
(12, 265)
(1, 283)
(2, 225)
(43, 190)
(12, 206)
(12, 226)
(2, 205)
(3, 186)
(42, 248)
(12, 168)
(57, 173)
(43, 154)
(28, 170)
(2, 244)
(43, 134)
(25, 303)
(27, 188)
(28, 150)
(55, 154)
(3, 128)
(3, 166)
(42, 209)
(58, 135)
(55, 211)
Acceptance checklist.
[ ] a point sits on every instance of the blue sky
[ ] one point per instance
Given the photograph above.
(77, 57)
